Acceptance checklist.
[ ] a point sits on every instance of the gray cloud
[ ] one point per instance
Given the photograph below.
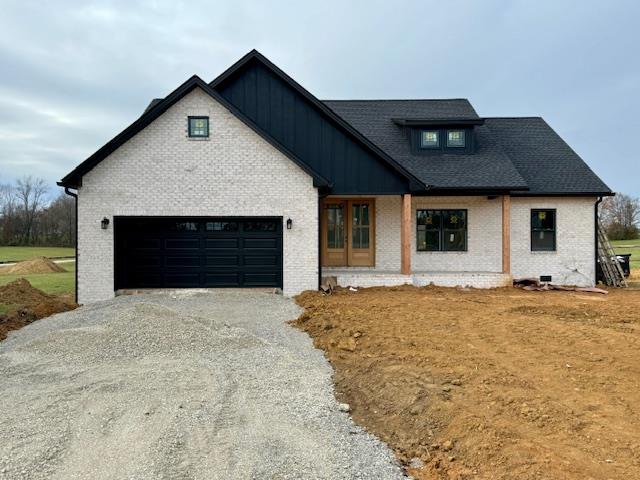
(73, 74)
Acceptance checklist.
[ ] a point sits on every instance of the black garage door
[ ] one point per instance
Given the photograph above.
(163, 252)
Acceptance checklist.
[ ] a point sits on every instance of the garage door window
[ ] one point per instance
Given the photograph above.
(263, 226)
(221, 226)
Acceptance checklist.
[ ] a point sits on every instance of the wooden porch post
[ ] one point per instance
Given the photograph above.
(405, 235)
(506, 234)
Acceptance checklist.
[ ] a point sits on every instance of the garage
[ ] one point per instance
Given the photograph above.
(192, 252)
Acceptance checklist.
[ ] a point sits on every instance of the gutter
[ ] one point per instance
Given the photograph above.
(75, 196)
(595, 230)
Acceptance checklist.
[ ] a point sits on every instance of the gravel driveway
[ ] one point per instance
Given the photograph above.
(184, 386)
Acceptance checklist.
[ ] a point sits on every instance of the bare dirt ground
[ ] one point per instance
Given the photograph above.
(22, 304)
(489, 384)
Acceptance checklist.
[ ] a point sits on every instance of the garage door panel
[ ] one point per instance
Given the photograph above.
(222, 279)
(271, 243)
(259, 279)
(172, 261)
(182, 280)
(221, 243)
(182, 243)
(261, 260)
(198, 252)
(222, 261)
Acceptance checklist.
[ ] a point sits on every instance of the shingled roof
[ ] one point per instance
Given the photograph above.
(521, 154)
(544, 160)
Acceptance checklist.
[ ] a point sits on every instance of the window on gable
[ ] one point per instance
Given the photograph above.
(198, 126)
(455, 138)
(441, 230)
(430, 139)
(543, 230)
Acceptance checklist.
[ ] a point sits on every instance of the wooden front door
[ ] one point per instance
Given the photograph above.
(348, 233)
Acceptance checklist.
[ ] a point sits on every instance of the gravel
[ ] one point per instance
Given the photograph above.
(178, 386)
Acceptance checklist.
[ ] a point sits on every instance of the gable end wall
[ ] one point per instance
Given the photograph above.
(161, 172)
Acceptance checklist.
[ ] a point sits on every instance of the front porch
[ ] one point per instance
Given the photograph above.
(379, 241)
(381, 278)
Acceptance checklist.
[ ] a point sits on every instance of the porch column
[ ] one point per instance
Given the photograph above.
(405, 235)
(506, 234)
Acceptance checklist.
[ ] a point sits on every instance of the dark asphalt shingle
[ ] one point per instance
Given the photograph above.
(511, 153)
(546, 162)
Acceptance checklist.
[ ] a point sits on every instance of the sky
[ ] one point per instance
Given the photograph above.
(74, 74)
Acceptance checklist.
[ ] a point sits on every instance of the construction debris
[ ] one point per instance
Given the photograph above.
(534, 285)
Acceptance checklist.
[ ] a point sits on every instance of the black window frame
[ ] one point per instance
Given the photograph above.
(190, 132)
(441, 229)
(464, 137)
(438, 133)
(536, 211)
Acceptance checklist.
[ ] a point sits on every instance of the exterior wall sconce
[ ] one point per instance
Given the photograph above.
(289, 223)
(104, 223)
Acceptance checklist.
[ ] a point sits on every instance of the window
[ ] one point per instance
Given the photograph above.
(455, 138)
(199, 127)
(441, 230)
(543, 230)
(221, 226)
(261, 226)
(430, 139)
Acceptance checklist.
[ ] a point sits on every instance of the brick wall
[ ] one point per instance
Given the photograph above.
(163, 172)
(573, 261)
(484, 236)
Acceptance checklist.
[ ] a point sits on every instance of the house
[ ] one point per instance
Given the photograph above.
(251, 181)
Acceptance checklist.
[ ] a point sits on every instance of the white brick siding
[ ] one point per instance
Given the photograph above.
(484, 236)
(481, 265)
(388, 232)
(162, 172)
(573, 261)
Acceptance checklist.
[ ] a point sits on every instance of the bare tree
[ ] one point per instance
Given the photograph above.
(30, 194)
(8, 221)
(620, 216)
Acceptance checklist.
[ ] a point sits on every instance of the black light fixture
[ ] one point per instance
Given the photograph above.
(104, 223)
(289, 223)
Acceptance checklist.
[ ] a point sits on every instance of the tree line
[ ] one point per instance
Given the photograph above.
(620, 216)
(28, 216)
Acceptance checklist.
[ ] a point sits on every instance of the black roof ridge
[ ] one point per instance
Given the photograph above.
(393, 99)
(514, 117)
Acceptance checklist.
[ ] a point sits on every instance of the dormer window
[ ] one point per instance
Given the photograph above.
(199, 127)
(430, 139)
(455, 138)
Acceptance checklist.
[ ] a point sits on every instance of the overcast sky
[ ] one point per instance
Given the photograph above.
(74, 74)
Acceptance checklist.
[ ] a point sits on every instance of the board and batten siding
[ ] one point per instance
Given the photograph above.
(300, 126)
(161, 171)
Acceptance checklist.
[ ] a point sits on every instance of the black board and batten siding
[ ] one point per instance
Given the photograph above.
(301, 127)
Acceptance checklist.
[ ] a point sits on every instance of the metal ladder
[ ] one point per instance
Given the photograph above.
(611, 269)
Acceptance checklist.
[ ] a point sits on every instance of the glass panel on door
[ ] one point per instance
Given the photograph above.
(335, 226)
(360, 225)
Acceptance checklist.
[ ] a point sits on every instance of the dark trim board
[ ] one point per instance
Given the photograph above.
(197, 252)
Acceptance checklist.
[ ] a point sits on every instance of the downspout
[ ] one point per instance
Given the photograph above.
(595, 230)
(75, 196)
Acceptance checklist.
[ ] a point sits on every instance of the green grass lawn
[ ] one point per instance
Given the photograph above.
(17, 254)
(629, 246)
(53, 283)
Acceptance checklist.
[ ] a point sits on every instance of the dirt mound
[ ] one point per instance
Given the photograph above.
(26, 304)
(489, 384)
(34, 265)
